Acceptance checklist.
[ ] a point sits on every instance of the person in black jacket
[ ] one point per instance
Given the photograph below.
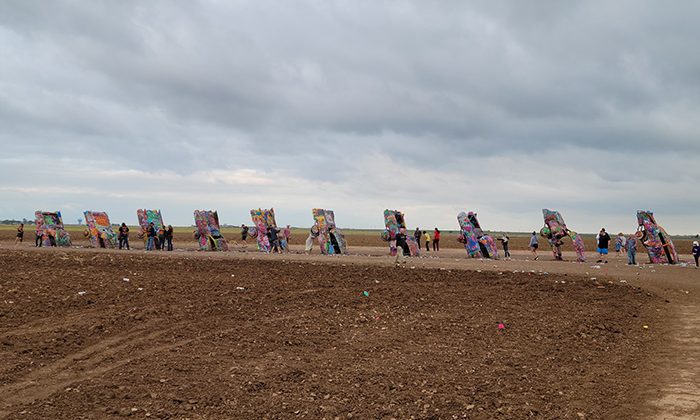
(274, 239)
(603, 242)
(123, 236)
(169, 237)
(417, 235)
(334, 241)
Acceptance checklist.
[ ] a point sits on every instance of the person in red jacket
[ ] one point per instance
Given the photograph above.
(436, 240)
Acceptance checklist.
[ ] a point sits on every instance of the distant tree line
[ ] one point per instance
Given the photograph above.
(16, 222)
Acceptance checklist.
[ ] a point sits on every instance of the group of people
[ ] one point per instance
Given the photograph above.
(331, 244)
(623, 243)
(278, 238)
(39, 237)
(425, 235)
(156, 238)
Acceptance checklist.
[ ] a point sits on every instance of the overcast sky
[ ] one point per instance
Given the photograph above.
(431, 107)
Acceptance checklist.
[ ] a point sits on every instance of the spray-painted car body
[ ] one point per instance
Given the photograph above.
(208, 232)
(477, 243)
(555, 229)
(395, 224)
(324, 220)
(49, 225)
(99, 229)
(657, 242)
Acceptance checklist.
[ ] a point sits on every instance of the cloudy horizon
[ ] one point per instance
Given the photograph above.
(432, 108)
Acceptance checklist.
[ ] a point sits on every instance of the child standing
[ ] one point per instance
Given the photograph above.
(426, 235)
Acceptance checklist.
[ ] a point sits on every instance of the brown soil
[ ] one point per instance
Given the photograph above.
(181, 340)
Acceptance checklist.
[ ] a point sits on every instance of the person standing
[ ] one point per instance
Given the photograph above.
(169, 237)
(313, 234)
(696, 252)
(334, 241)
(436, 240)
(20, 234)
(161, 239)
(556, 248)
(244, 233)
(504, 239)
(123, 236)
(534, 244)
(603, 240)
(287, 234)
(151, 237)
(426, 235)
(631, 247)
(620, 241)
(39, 238)
(274, 239)
(417, 235)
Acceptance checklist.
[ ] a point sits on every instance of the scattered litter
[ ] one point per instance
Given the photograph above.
(623, 281)
(81, 293)
(240, 289)
(646, 327)
(365, 293)
(595, 266)
(125, 279)
(140, 289)
(593, 278)
(233, 275)
(501, 326)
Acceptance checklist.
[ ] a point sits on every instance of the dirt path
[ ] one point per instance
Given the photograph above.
(679, 393)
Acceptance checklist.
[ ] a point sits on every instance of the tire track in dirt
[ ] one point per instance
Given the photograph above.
(680, 393)
(49, 324)
(90, 362)
(86, 363)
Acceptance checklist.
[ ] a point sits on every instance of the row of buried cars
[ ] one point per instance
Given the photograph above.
(101, 233)
(479, 244)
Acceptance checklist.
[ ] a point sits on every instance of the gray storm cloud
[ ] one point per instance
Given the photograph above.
(434, 107)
